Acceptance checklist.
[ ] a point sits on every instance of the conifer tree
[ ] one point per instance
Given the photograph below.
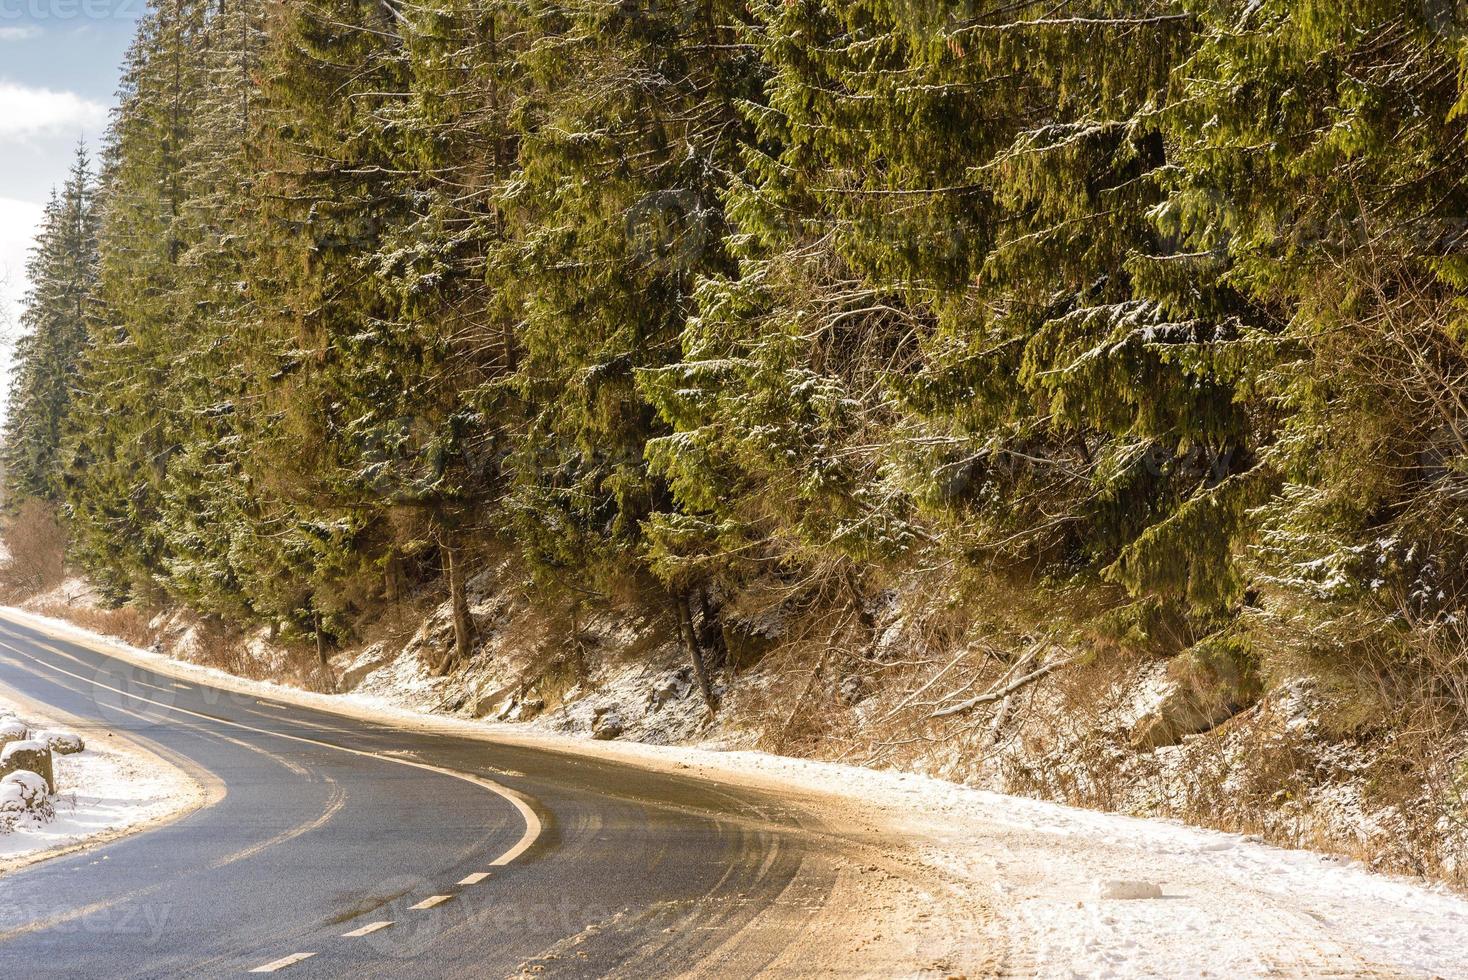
(1160, 299)
(62, 275)
(125, 427)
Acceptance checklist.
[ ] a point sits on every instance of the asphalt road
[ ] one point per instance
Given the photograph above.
(519, 861)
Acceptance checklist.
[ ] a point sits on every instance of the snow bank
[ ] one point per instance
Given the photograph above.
(62, 743)
(22, 745)
(106, 789)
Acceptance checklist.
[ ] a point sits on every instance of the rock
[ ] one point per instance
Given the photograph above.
(675, 687)
(608, 725)
(855, 690)
(23, 792)
(892, 643)
(61, 743)
(1127, 890)
(1180, 715)
(1211, 682)
(496, 702)
(29, 755)
(12, 730)
(373, 658)
(516, 709)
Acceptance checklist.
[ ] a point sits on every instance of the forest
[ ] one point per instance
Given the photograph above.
(1148, 314)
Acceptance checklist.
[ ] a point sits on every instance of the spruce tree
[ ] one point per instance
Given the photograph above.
(62, 274)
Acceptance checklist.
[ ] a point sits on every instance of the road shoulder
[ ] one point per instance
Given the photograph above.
(119, 786)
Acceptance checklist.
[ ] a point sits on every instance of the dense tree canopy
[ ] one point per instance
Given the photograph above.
(1164, 298)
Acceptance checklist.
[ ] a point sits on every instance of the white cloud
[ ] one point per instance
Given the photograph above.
(18, 223)
(19, 33)
(27, 112)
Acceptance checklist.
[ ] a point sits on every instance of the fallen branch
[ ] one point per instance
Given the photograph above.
(991, 696)
(931, 681)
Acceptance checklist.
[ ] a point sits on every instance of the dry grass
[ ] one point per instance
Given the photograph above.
(36, 541)
(125, 623)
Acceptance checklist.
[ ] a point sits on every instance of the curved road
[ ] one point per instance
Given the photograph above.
(485, 860)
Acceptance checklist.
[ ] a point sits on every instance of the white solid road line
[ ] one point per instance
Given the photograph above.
(475, 878)
(532, 821)
(283, 962)
(430, 902)
(366, 930)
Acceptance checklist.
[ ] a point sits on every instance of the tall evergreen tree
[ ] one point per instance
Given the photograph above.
(62, 273)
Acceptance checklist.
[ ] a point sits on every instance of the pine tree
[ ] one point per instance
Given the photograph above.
(631, 133)
(62, 275)
(126, 424)
(771, 301)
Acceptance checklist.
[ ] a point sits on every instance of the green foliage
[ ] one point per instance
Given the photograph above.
(757, 298)
(62, 273)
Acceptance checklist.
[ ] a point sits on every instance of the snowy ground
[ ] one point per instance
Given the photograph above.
(110, 789)
(958, 881)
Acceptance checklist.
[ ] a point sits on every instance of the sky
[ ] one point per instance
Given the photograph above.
(59, 63)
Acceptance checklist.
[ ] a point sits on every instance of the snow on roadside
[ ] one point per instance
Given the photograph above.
(72, 591)
(110, 788)
(1231, 905)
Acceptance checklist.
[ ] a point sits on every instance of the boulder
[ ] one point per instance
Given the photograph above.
(61, 743)
(31, 756)
(23, 792)
(12, 730)
(519, 709)
(375, 657)
(1210, 683)
(674, 687)
(495, 702)
(608, 725)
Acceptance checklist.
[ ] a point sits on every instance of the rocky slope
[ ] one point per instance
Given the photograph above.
(1117, 732)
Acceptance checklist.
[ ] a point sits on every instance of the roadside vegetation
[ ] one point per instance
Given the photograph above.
(939, 352)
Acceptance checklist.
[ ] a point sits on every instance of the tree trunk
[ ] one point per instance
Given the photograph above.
(463, 624)
(391, 577)
(320, 640)
(711, 635)
(695, 652)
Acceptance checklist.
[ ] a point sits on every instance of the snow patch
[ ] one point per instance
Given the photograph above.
(1127, 890)
(106, 788)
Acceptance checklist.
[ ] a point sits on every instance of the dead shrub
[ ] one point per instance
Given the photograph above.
(36, 541)
(126, 623)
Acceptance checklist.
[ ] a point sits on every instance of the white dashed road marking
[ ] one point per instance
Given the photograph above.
(532, 821)
(532, 831)
(366, 930)
(283, 962)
